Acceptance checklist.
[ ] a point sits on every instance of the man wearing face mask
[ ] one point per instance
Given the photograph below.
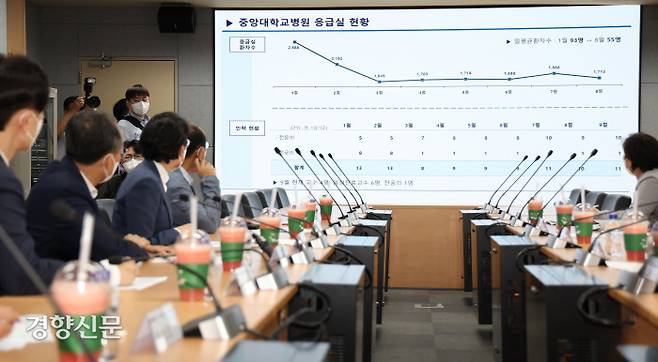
(180, 183)
(138, 101)
(132, 156)
(142, 206)
(93, 147)
(23, 97)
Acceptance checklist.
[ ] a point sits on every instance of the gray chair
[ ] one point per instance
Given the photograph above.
(106, 209)
(282, 197)
(595, 198)
(265, 196)
(615, 202)
(252, 204)
(574, 196)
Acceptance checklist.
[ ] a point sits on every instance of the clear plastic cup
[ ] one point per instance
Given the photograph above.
(563, 211)
(309, 219)
(326, 206)
(635, 240)
(583, 221)
(193, 256)
(270, 222)
(654, 237)
(232, 236)
(83, 302)
(296, 219)
(535, 211)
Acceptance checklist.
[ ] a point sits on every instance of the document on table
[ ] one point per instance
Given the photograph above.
(25, 331)
(142, 283)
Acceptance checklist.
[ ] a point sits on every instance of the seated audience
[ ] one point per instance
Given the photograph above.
(142, 206)
(93, 147)
(180, 183)
(132, 156)
(641, 160)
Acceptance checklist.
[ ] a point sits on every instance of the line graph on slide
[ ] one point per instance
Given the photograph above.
(465, 79)
(426, 106)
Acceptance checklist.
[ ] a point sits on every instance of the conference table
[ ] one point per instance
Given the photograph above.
(263, 311)
(641, 309)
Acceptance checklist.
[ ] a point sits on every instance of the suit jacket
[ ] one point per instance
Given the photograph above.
(142, 207)
(12, 219)
(60, 239)
(109, 189)
(209, 209)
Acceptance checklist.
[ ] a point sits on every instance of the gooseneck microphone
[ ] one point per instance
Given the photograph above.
(321, 184)
(518, 215)
(346, 178)
(334, 182)
(278, 152)
(550, 152)
(507, 178)
(517, 179)
(592, 154)
(339, 179)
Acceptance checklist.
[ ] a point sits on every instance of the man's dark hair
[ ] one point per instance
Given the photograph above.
(642, 150)
(90, 135)
(120, 109)
(68, 101)
(23, 84)
(134, 144)
(197, 140)
(137, 90)
(163, 136)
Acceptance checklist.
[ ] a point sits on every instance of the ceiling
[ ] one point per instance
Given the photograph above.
(333, 3)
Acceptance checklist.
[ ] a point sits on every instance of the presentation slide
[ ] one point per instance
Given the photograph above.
(425, 106)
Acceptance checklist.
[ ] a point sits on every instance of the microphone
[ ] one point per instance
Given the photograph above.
(517, 179)
(518, 215)
(592, 154)
(34, 277)
(348, 180)
(550, 152)
(321, 184)
(338, 178)
(335, 184)
(278, 152)
(507, 178)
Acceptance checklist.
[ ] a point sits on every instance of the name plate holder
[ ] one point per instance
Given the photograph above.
(275, 280)
(245, 281)
(364, 208)
(159, 330)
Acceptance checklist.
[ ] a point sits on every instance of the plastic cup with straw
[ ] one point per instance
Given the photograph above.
(309, 214)
(326, 206)
(564, 211)
(232, 235)
(82, 290)
(193, 253)
(635, 236)
(270, 221)
(583, 221)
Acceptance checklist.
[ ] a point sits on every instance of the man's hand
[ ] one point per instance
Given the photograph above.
(204, 168)
(77, 105)
(159, 250)
(7, 318)
(184, 230)
(140, 241)
(128, 271)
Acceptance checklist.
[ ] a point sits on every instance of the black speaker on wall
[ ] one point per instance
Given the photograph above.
(176, 18)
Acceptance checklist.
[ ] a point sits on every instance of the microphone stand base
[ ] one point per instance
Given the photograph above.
(220, 326)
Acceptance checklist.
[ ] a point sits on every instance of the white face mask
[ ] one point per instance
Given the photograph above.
(33, 137)
(114, 170)
(130, 165)
(140, 108)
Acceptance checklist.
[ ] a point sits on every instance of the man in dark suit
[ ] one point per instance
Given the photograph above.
(141, 206)
(93, 151)
(180, 183)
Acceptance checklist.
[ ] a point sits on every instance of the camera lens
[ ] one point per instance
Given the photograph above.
(92, 102)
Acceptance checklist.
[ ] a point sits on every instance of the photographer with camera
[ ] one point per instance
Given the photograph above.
(138, 102)
(72, 105)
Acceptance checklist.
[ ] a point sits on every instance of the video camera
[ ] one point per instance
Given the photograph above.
(88, 86)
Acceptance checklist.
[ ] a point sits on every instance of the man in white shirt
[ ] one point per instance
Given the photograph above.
(138, 100)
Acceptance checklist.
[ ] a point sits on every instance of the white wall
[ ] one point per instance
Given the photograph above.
(3, 26)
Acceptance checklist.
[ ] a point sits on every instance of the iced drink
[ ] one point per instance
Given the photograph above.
(193, 257)
(635, 241)
(270, 222)
(296, 221)
(326, 204)
(83, 303)
(309, 218)
(535, 211)
(232, 233)
(583, 221)
(564, 212)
